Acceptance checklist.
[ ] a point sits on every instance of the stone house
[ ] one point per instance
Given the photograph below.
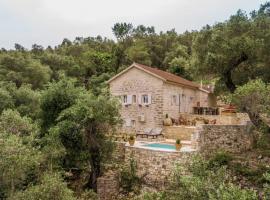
(147, 94)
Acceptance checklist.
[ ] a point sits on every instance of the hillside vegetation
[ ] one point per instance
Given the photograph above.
(55, 108)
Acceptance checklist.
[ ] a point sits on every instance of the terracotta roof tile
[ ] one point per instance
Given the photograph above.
(168, 76)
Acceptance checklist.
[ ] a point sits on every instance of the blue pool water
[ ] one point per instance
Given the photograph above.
(161, 145)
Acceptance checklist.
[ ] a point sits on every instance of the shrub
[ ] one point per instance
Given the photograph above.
(255, 175)
(88, 195)
(129, 180)
(178, 141)
(219, 159)
(51, 186)
(266, 190)
(131, 137)
(204, 183)
(263, 142)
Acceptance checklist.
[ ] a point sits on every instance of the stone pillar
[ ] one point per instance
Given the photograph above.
(108, 186)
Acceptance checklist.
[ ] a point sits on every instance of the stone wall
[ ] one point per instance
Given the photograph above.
(157, 166)
(178, 132)
(230, 138)
(234, 119)
(108, 186)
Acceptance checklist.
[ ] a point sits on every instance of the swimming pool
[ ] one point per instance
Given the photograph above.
(160, 146)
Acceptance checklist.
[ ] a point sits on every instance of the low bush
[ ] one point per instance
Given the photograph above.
(129, 180)
(219, 159)
(203, 183)
(255, 175)
(51, 186)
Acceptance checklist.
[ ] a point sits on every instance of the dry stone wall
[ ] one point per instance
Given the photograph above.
(108, 186)
(234, 119)
(179, 132)
(157, 166)
(231, 138)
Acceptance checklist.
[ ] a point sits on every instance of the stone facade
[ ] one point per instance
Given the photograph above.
(164, 98)
(138, 83)
(230, 138)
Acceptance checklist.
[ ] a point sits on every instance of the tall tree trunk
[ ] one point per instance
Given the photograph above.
(95, 156)
(95, 170)
(227, 74)
(255, 118)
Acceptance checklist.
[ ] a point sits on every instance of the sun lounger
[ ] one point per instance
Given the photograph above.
(156, 132)
(146, 132)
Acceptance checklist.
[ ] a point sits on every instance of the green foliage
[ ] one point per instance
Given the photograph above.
(62, 92)
(253, 96)
(266, 191)
(219, 159)
(205, 183)
(6, 100)
(27, 101)
(88, 195)
(178, 141)
(11, 122)
(253, 174)
(20, 69)
(59, 96)
(17, 157)
(51, 186)
(254, 99)
(129, 179)
(122, 30)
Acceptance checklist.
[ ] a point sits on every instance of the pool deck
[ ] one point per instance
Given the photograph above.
(141, 144)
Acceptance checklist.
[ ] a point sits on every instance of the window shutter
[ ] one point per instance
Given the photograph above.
(149, 99)
(139, 99)
(177, 100)
(128, 122)
(122, 100)
(129, 99)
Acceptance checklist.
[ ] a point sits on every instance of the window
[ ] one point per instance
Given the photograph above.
(125, 99)
(134, 99)
(133, 123)
(174, 100)
(128, 122)
(145, 99)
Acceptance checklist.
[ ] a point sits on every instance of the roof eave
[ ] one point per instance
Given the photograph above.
(138, 67)
(181, 84)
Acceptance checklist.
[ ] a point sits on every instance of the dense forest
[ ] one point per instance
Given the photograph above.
(55, 108)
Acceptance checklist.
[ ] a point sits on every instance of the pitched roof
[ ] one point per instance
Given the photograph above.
(166, 76)
(169, 76)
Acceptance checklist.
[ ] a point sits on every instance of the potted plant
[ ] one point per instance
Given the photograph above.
(178, 145)
(131, 140)
(167, 121)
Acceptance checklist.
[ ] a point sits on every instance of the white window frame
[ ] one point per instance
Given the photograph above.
(144, 98)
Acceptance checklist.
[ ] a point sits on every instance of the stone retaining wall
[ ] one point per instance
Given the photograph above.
(231, 138)
(108, 186)
(233, 119)
(178, 132)
(157, 166)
